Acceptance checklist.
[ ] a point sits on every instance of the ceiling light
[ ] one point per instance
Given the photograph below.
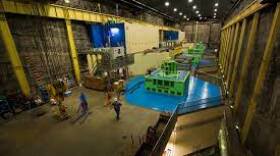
(194, 7)
(180, 13)
(214, 16)
(190, 1)
(167, 3)
(175, 9)
(185, 16)
(188, 19)
(216, 4)
(215, 10)
(199, 15)
(196, 11)
(67, 1)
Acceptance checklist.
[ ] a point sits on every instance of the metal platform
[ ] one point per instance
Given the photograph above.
(201, 94)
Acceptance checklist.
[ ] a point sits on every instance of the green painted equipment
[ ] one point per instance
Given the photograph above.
(168, 80)
(196, 53)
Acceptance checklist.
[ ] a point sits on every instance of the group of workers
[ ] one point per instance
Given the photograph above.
(58, 89)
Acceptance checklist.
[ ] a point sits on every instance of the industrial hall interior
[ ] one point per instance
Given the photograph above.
(139, 77)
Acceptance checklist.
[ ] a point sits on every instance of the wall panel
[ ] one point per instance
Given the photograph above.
(142, 62)
(140, 37)
(182, 36)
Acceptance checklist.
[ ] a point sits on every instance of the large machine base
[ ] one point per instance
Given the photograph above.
(173, 85)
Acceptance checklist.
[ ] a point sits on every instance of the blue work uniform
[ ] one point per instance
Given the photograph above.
(117, 108)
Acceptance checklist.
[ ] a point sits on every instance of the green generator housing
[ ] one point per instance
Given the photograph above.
(168, 80)
(196, 53)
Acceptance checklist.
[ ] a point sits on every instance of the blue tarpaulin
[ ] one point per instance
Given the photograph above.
(115, 34)
(170, 35)
(111, 35)
(97, 35)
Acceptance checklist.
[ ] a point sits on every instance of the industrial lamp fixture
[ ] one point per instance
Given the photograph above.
(166, 3)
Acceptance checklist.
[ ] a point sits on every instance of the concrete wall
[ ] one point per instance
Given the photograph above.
(206, 32)
(43, 48)
(264, 137)
(8, 79)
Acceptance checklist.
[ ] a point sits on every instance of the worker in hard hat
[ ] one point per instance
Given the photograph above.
(117, 107)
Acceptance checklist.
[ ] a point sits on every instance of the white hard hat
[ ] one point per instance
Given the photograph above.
(115, 99)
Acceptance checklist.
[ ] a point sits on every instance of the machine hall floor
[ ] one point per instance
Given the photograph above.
(99, 133)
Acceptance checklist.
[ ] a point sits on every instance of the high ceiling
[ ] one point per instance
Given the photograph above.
(205, 8)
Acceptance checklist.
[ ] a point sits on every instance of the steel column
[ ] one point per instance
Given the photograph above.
(90, 64)
(229, 52)
(248, 52)
(226, 49)
(221, 47)
(237, 57)
(13, 55)
(73, 50)
(262, 73)
(196, 30)
(223, 50)
(233, 51)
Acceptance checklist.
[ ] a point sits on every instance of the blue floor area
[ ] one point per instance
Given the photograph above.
(201, 94)
(207, 62)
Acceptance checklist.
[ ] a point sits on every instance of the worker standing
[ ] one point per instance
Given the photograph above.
(58, 90)
(117, 107)
(83, 104)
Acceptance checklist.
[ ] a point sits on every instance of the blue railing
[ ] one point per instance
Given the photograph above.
(133, 88)
(187, 107)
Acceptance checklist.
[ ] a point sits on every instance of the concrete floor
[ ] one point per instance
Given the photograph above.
(195, 131)
(97, 135)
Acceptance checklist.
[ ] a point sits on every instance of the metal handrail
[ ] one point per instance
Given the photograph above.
(188, 106)
(216, 97)
(157, 149)
(160, 141)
